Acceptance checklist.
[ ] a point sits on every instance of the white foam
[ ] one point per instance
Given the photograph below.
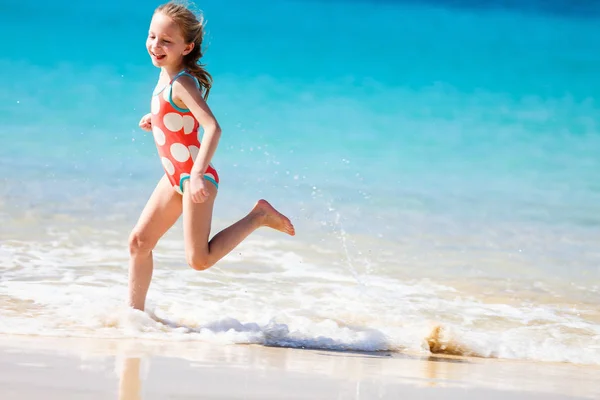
(271, 295)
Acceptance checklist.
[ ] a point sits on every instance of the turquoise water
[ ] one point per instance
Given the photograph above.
(458, 144)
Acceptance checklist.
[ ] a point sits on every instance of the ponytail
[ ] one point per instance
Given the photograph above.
(196, 68)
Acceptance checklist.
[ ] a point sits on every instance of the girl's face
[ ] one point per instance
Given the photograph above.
(165, 43)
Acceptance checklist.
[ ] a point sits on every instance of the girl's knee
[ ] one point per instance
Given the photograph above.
(198, 260)
(140, 243)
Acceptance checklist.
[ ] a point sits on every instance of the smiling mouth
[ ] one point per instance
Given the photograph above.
(158, 57)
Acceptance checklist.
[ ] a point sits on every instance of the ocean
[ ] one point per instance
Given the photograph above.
(440, 161)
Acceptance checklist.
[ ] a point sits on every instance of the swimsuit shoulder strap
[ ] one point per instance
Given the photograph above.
(182, 73)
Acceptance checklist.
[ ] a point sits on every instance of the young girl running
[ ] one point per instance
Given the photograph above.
(189, 186)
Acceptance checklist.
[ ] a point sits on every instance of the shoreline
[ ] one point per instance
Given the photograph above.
(63, 368)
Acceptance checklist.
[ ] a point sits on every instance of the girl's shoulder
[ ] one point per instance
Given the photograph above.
(186, 82)
(186, 79)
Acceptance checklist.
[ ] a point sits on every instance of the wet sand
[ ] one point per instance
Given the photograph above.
(48, 368)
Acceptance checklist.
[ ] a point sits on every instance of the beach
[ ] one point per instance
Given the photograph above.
(438, 159)
(130, 370)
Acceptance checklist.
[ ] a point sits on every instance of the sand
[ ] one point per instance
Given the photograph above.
(69, 368)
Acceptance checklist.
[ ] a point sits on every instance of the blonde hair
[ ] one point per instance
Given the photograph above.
(192, 29)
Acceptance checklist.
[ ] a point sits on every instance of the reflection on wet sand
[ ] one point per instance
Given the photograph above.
(130, 384)
(32, 368)
(349, 375)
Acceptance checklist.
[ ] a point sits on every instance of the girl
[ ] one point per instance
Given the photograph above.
(190, 183)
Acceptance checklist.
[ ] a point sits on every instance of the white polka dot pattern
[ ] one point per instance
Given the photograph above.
(159, 135)
(169, 167)
(208, 174)
(173, 122)
(180, 152)
(155, 105)
(194, 150)
(188, 124)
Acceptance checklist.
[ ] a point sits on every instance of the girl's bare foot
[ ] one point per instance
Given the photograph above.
(269, 216)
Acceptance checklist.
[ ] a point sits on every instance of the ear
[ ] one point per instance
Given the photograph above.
(188, 48)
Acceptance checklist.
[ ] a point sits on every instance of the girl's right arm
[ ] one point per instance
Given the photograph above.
(146, 122)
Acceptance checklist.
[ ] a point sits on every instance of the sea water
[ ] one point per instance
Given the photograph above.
(440, 161)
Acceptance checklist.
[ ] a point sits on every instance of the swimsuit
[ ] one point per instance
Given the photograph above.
(175, 132)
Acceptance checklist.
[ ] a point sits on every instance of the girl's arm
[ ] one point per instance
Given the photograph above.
(185, 90)
(146, 122)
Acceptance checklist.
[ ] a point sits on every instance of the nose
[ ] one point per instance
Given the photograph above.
(153, 44)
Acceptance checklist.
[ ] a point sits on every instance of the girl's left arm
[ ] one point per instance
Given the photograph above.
(185, 90)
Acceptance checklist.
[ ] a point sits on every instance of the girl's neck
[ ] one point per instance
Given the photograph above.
(171, 71)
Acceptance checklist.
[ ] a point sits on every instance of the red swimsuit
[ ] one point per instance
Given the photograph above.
(175, 133)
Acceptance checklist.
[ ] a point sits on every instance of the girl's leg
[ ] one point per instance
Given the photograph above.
(160, 213)
(197, 217)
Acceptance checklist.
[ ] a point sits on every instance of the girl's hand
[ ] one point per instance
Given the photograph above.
(146, 122)
(197, 186)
